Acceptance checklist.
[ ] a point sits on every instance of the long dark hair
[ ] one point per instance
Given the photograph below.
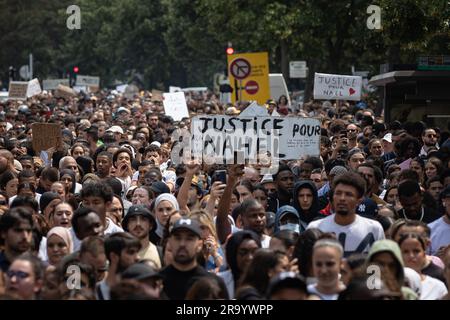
(232, 246)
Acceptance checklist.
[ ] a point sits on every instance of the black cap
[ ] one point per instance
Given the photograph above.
(187, 224)
(140, 271)
(446, 192)
(286, 280)
(138, 210)
(159, 187)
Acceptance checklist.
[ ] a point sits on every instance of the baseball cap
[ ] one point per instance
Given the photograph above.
(388, 137)
(267, 178)
(187, 224)
(284, 210)
(138, 210)
(115, 129)
(285, 280)
(140, 271)
(160, 187)
(123, 109)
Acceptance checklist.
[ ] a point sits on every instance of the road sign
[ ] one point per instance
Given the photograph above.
(297, 69)
(254, 68)
(87, 81)
(252, 87)
(240, 68)
(24, 72)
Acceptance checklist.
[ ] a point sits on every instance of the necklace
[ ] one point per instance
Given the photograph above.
(421, 217)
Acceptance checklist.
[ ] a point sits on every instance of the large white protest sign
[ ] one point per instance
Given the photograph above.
(34, 88)
(175, 105)
(88, 81)
(52, 84)
(221, 137)
(337, 87)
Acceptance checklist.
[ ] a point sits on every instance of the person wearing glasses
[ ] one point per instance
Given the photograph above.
(24, 277)
(352, 134)
(429, 139)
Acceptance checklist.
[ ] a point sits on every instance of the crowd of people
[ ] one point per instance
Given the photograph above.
(108, 215)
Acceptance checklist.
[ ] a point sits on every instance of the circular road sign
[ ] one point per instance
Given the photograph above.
(252, 87)
(240, 68)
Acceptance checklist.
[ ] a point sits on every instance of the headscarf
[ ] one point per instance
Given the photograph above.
(64, 234)
(164, 197)
(46, 198)
(167, 197)
(71, 173)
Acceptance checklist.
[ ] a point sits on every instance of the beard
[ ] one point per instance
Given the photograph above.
(184, 259)
(342, 212)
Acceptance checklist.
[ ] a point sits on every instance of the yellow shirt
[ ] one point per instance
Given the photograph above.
(150, 253)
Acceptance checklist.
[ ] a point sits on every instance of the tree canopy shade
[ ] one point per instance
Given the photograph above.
(183, 42)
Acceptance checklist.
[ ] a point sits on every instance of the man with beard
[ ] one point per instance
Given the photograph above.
(352, 134)
(185, 243)
(284, 181)
(16, 235)
(372, 174)
(121, 250)
(355, 233)
(104, 164)
(429, 139)
(411, 199)
(139, 221)
(440, 229)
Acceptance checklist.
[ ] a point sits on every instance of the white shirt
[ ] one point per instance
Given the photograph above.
(37, 197)
(313, 290)
(355, 237)
(440, 234)
(432, 289)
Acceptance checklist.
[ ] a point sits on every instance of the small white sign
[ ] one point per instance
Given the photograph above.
(88, 81)
(297, 69)
(254, 110)
(52, 84)
(337, 87)
(34, 88)
(175, 105)
(173, 89)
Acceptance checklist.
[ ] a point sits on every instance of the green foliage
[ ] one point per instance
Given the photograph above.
(183, 42)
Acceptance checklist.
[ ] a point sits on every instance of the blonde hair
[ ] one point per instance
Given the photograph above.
(204, 218)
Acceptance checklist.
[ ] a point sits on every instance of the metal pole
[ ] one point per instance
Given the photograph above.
(240, 90)
(31, 66)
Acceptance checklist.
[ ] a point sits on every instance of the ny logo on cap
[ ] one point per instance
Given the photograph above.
(185, 221)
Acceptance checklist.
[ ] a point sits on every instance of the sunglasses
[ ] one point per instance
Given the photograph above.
(3, 203)
(18, 274)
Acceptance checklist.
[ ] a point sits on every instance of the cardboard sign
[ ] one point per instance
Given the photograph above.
(175, 105)
(18, 90)
(337, 87)
(221, 137)
(254, 110)
(65, 92)
(46, 135)
(52, 84)
(87, 81)
(34, 88)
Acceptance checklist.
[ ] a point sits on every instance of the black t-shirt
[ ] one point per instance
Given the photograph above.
(4, 262)
(434, 271)
(177, 283)
(274, 203)
(429, 215)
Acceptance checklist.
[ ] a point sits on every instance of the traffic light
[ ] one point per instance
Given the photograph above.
(230, 49)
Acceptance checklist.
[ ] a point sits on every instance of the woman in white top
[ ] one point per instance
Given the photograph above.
(413, 248)
(327, 263)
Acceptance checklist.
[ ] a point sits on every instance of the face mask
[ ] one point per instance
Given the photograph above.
(291, 226)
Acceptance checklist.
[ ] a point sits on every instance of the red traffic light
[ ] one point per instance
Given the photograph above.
(230, 50)
(76, 69)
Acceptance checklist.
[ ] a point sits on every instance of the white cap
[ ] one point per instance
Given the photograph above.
(388, 137)
(115, 129)
(156, 143)
(123, 109)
